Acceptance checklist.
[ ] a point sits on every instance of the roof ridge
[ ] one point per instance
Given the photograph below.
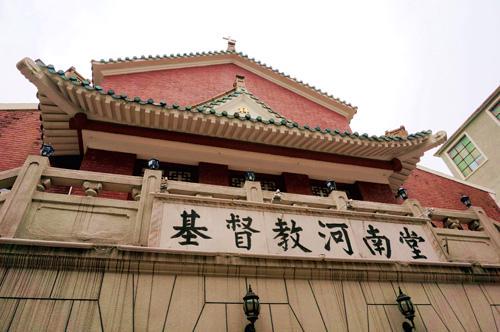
(222, 52)
(206, 110)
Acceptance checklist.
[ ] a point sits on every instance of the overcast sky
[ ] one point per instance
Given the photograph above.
(422, 64)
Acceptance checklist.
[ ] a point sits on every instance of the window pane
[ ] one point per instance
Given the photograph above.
(457, 159)
(475, 153)
(496, 111)
(462, 165)
(319, 191)
(465, 140)
(470, 147)
(466, 171)
(464, 153)
(237, 182)
(459, 146)
(479, 160)
(268, 185)
(469, 159)
(453, 153)
(473, 165)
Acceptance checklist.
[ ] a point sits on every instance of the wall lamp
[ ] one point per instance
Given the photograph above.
(46, 150)
(407, 309)
(153, 164)
(466, 201)
(331, 186)
(249, 176)
(251, 307)
(402, 193)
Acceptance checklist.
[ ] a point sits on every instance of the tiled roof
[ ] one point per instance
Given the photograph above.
(207, 109)
(213, 53)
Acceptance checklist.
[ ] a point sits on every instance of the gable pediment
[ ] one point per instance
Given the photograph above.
(244, 104)
(111, 67)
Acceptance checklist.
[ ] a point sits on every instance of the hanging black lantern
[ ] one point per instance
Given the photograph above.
(466, 201)
(46, 150)
(249, 176)
(407, 309)
(331, 185)
(153, 164)
(402, 193)
(251, 307)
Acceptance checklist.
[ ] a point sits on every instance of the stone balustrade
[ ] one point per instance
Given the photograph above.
(29, 213)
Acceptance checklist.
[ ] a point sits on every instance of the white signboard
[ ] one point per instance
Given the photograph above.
(222, 229)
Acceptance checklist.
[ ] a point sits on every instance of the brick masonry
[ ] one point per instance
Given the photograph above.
(376, 192)
(108, 162)
(19, 137)
(190, 86)
(436, 191)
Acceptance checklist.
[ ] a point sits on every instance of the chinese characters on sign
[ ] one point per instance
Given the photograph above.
(339, 235)
(412, 240)
(283, 233)
(188, 231)
(377, 243)
(243, 238)
(215, 229)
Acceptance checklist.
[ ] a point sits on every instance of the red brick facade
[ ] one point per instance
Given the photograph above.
(432, 190)
(190, 86)
(108, 162)
(19, 137)
(376, 192)
(436, 191)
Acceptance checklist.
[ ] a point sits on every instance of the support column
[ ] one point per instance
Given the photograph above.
(150, 184)
(19, 200)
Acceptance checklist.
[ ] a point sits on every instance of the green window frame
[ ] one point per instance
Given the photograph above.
(466, 156)
(496, 111)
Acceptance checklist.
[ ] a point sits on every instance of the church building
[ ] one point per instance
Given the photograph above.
(212, 192)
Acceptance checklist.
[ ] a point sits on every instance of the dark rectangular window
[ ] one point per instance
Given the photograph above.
(318, 188)
(267, 181)
(176, 172)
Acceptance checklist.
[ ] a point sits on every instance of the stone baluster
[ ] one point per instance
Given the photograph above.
(44, 184)
(92, 189)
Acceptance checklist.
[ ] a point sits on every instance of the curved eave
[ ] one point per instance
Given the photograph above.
(61, 99)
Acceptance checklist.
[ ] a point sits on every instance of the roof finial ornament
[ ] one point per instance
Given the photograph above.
(231, 44)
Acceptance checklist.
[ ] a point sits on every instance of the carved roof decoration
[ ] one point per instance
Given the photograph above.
(61, 98)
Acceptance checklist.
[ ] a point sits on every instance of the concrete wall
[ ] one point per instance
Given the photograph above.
(57, 300)
(484, 131)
